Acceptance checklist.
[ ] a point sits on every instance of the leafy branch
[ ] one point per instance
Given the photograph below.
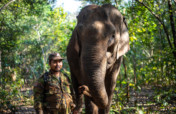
(162, 23)
(6, 5)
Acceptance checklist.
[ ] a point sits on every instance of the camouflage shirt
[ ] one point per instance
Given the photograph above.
(51, 92)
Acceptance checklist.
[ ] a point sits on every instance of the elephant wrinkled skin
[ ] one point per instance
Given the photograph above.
(94, 54)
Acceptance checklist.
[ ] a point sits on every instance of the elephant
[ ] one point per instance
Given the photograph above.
(94, 53)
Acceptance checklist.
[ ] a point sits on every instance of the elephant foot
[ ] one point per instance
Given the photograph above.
(84, 90)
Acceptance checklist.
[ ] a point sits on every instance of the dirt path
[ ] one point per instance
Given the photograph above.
(28, 92)
(25, 110)
(143, 99)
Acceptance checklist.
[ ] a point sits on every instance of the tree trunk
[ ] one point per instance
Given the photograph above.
(134, 69)
(172, 22)
(3, 69)
(126, 77)
(120, 78)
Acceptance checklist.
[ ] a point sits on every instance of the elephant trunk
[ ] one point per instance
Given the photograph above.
(93, 62)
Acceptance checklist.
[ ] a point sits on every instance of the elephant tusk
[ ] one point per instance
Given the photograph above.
(108, 54)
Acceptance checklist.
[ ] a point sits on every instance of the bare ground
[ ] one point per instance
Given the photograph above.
(143, 99)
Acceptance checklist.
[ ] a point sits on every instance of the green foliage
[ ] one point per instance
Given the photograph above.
(10, 95)
(32, 33)
(31, 29)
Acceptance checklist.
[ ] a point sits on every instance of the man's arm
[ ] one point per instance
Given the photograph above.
(38, 96)
(69, 91)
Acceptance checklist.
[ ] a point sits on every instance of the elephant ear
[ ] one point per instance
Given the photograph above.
(123, 46)
(77, 44)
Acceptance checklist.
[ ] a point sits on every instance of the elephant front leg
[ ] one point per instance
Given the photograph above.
(110, 92)
(107, 109)
(110, 83)
(90, 107)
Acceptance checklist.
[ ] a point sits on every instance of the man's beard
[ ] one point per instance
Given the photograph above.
(56, 69)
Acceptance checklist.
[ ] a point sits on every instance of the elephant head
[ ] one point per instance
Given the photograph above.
(98, 41)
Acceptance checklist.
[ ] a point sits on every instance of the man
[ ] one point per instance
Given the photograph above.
(52, 90)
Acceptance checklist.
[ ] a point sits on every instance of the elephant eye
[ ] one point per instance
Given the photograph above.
(113, 36)
(112, 32)
(111, 40)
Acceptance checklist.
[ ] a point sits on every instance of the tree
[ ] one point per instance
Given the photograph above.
(170, 10)
(29, 31)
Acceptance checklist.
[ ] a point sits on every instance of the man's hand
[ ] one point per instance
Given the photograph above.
(72, 105)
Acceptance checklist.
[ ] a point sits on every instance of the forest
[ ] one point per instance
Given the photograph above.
(31, 29)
